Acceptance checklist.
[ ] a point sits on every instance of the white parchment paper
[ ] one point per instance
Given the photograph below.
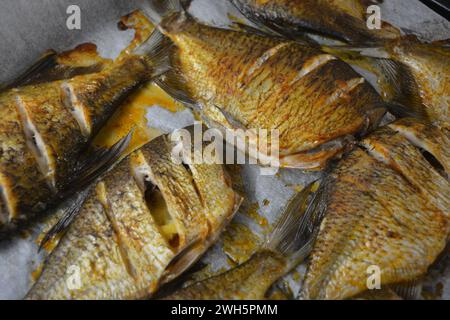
(28, 28)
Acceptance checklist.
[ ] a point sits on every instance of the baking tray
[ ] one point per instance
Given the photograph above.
(28, 28)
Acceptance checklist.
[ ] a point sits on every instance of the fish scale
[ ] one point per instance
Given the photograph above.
(18, 168)
(254, 82)
(386, 206)
(121, 244)
(249, 281)
(47, 125)
(192, 223)
(342, 20)
(398, 152)
(55, 124)
(134, 225)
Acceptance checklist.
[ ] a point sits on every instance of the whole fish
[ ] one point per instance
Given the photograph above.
(144, 223)
(253, 279)
(410, 72)
(46, 126)
(386, 209)
(244, 81)
(344, 20)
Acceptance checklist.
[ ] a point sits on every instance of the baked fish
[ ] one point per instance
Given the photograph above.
(253, 279)
(344, 20)
(46, 126)
(385, 208)
(410, 72)
(144, 223)
(241, 81)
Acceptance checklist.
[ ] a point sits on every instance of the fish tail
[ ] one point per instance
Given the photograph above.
(291, 236)
(404, 99)
(156, 53)
(395, 78)
(157, 10)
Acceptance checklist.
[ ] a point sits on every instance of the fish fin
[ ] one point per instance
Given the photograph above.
(156, 53)
(260, 31)
(159, 9)
(402, 111)
(172, 84)
(396, 77)
(185, 259)
(288, 238)
(45, 62)
(409, 291)
(233, 123)
(266, 28)
(87, 171)
(405, 89)
(95, 164)
(69, 210)
(169, 288)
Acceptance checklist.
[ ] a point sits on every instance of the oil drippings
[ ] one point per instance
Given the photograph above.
(239, 243)
(49, 246)
(254, 214)
(47, 224)
(132, 115)
(142, 27)
(37, 272)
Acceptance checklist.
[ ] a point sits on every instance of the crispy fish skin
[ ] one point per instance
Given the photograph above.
(343, 20)
(253, 279)
(47, 125)
(386, 206)
(429, 65)
(428, 138)
(247, 81)
(18, 167)
(249, 281)
(121, 244)
(18, 170)
(410, 72)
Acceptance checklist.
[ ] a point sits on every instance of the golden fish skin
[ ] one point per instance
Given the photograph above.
(125, 239)
(252, 280)
(45, 127)
(411, 73)
(316, 101)
(386, 206)
(249, 281)
(343, 20)
(429, 65)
